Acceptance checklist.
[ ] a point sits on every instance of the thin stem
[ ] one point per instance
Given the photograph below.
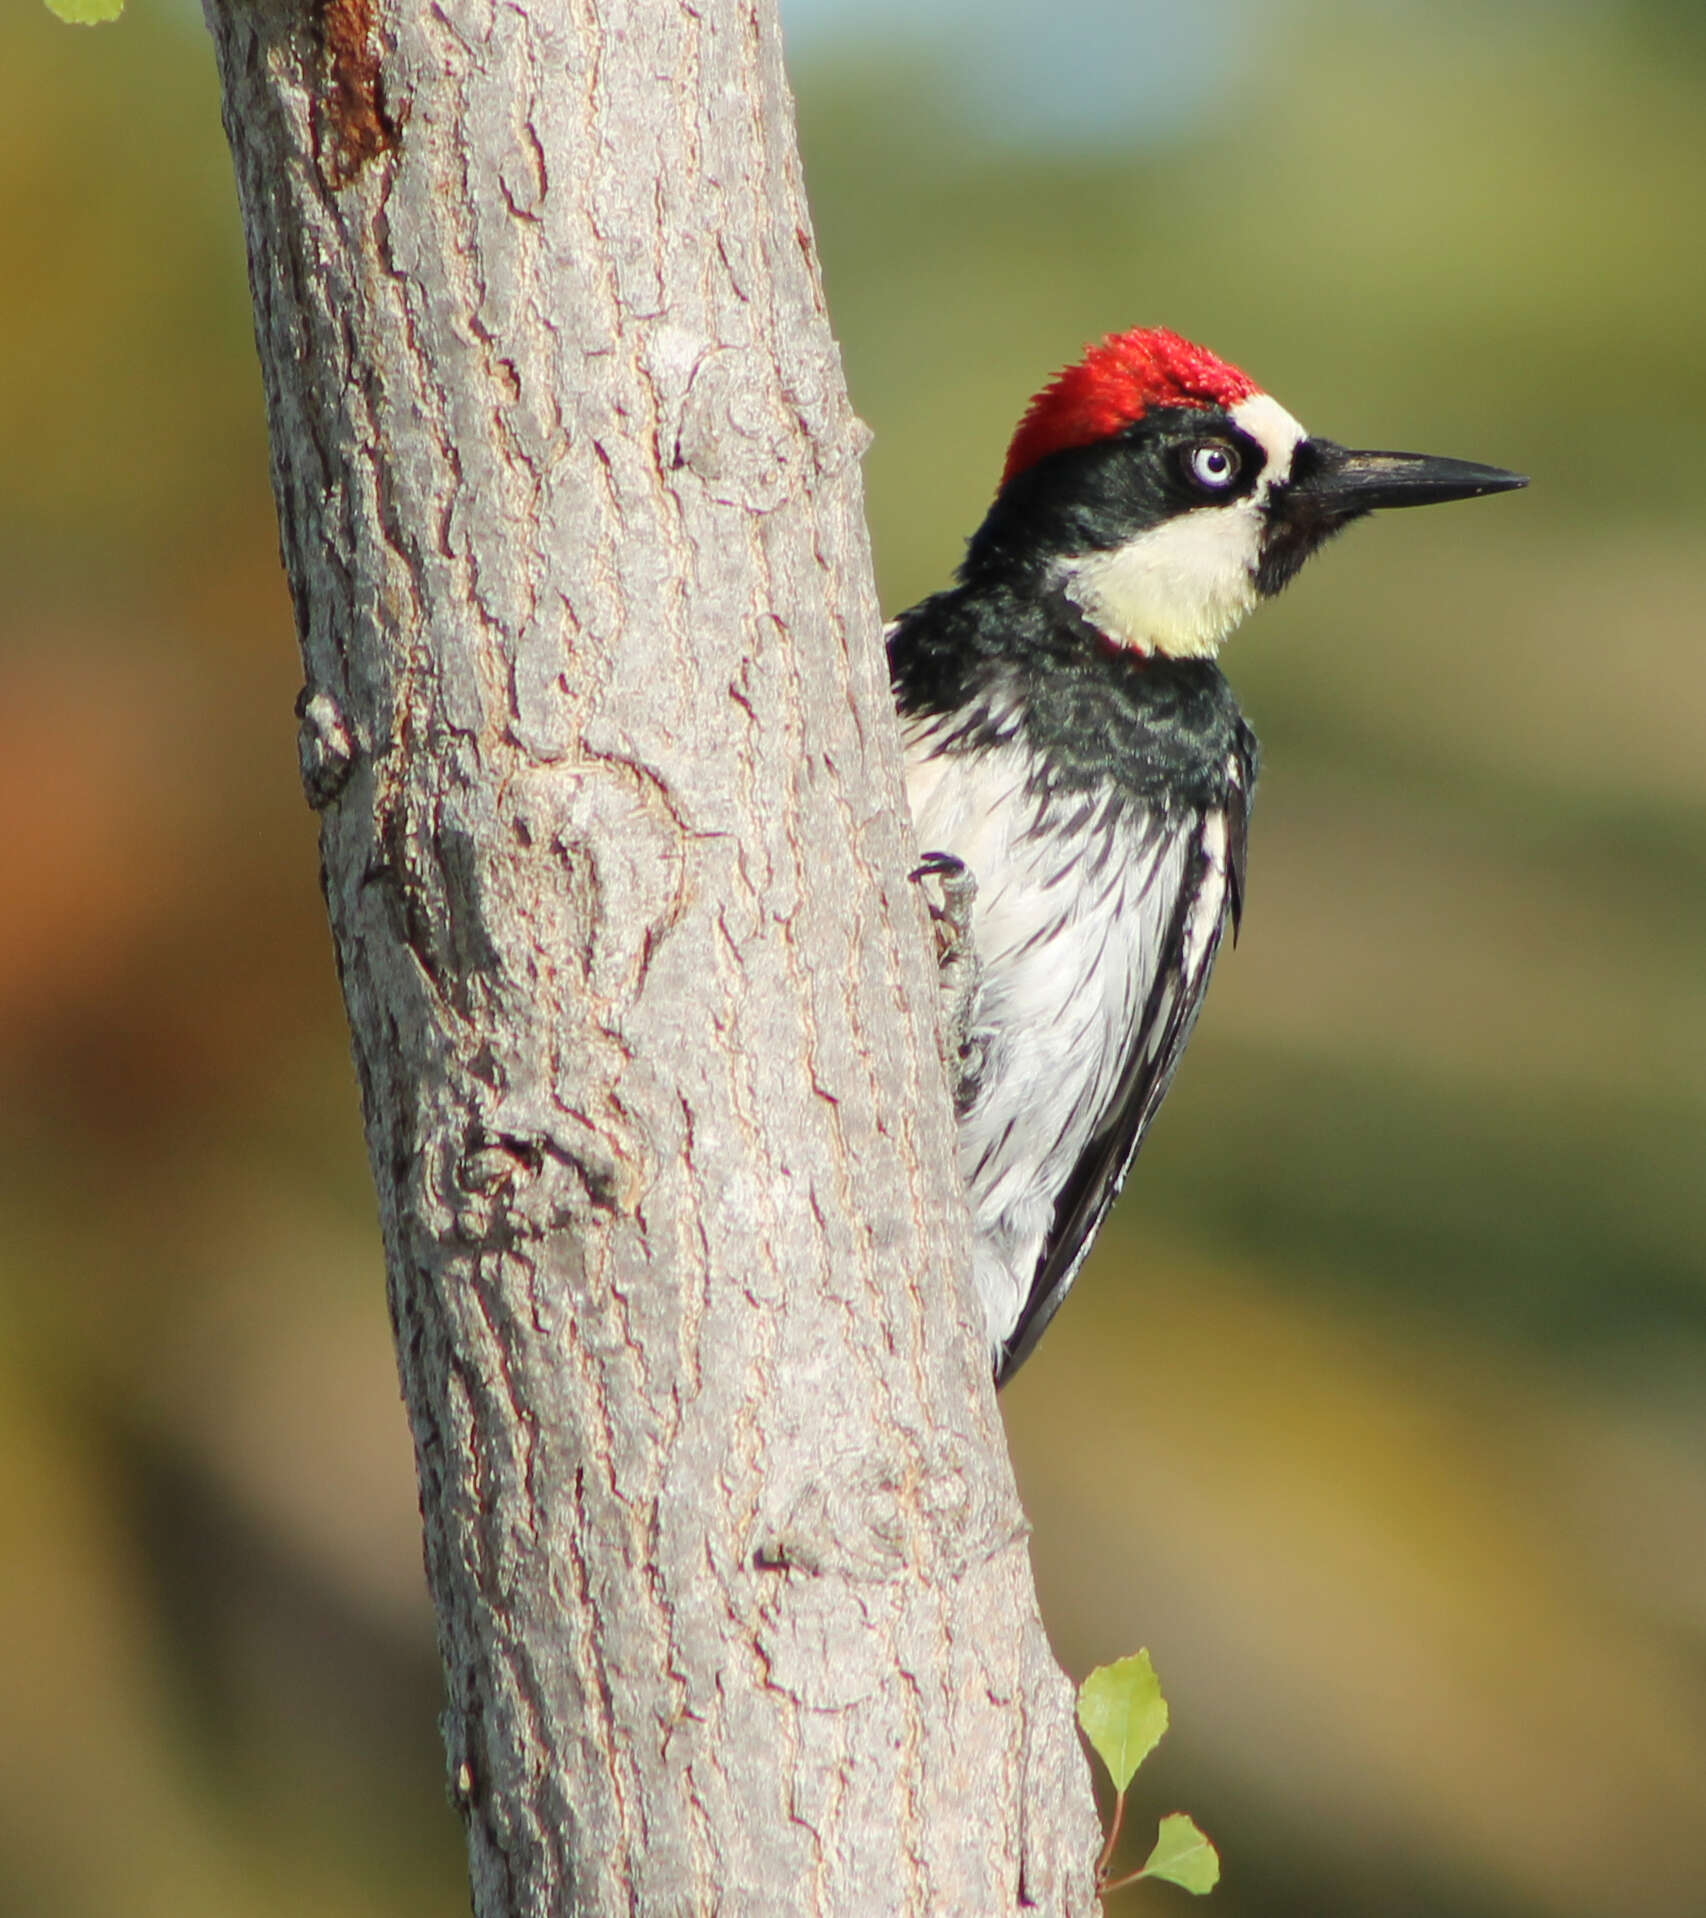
(1119, 1884)
(1113, 1839)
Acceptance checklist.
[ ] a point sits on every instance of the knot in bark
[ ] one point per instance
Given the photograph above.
(935, 1510)
(511, 1183)
(735, 435)
(325, 748)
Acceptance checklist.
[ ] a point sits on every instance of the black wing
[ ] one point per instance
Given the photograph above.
(1175, 998)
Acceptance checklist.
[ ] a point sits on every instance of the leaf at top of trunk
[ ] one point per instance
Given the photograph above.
(86, 13)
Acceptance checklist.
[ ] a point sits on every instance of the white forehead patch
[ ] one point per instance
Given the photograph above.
(1181, 587)
(1274, 431)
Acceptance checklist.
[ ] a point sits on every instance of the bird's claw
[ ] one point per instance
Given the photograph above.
(958, 970)
(952, 918)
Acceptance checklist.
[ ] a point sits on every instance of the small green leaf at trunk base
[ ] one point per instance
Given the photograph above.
(1183, 1856)
(1123, 1714)
(86, 13)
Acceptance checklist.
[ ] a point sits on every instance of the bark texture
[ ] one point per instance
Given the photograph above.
(731, 1576)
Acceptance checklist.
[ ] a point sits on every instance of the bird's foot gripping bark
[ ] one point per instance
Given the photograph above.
(957, 966)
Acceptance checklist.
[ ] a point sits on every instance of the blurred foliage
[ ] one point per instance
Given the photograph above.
(86, 13)
(1380, 1412)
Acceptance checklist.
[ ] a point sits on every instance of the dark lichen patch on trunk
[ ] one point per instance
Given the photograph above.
(353, 123)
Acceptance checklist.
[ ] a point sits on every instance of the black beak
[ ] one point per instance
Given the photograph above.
(1329, 487)
(1354, 483)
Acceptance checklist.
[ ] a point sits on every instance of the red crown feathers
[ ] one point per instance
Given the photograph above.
(1116, 383)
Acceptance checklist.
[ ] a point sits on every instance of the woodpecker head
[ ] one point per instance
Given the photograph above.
(1164, 492)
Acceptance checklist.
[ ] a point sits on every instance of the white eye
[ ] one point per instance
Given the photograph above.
(1212, 465)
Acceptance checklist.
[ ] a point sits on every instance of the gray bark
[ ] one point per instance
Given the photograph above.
(731, 1576)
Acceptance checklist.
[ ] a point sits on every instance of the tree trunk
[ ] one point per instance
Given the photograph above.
(731, 1577)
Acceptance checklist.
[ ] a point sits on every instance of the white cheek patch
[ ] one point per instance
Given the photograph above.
(1180, 588)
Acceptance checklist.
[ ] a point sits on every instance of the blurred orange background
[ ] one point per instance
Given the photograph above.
(1380, 1415)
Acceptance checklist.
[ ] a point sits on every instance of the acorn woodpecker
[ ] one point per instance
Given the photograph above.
(1080, 774)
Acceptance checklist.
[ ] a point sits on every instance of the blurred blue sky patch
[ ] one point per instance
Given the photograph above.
(1083, 74)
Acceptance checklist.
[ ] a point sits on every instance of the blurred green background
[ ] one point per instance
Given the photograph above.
(1410, 1503)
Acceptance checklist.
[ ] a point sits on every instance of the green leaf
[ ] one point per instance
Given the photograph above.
(1183, 1856)
(86, 13)
(1123, 1714)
